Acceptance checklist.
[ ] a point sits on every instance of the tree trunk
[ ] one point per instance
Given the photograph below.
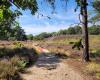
(85, 30)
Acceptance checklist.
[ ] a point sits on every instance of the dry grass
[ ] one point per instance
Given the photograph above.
(93, 68)
(57, 45)
(8, 71)
(61, 45)
(14, 58)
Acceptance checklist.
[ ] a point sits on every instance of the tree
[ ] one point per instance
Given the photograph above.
(19, 33)
(42, 36)
(85, 30)
(71, 30)
(30, 37)
(8, 16)
(63, 32)
(32, 6)
(83, 12)
(94, 30)
(78, 29)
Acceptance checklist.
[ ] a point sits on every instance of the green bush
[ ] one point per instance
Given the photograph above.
(19, 63)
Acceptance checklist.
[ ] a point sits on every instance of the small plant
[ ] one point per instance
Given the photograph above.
(22, 64)
(18, 44)
(98, 75)
(19, 62)
(77, 44)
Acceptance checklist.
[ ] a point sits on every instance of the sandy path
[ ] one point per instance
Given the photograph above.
(50, 67)
(47, 68)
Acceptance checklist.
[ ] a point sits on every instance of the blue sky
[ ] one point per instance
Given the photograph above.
(61, 19)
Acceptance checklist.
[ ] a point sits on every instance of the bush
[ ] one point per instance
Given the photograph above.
(19, 63)
(14, 61)
(30, 37)
(27, 56)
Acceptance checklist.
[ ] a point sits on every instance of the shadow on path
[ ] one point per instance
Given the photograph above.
(49, 61)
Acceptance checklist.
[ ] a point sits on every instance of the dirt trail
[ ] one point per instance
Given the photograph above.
(50, 67)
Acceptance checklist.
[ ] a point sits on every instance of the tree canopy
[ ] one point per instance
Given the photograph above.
(96, 6)
(9, 27)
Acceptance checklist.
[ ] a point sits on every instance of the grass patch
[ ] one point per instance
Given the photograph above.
(95, 53)
(8, 71)
(93, 68)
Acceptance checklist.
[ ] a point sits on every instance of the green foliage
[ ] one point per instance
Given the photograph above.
(1, 14)
(22, 64)
(19, 33)
(20, 4)
(95, 53)
(8, 18)
(18, 44)
(30, 37)
(15, 33)
(71, 30)
(98, 75)
(19, 62)
(96, 6)
(42, 36)
(94, 30)
(77, 44)
(63, 32)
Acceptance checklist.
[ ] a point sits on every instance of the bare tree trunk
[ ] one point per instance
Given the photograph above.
(85, 30)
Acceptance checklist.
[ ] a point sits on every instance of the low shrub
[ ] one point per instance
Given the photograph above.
(19, 62)
(14, 61)
(29, 54)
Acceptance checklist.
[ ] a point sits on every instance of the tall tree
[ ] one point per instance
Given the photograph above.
(83, 12)
(8, 16)
(85, 29)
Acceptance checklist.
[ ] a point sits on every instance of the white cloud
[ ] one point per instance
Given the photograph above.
(34, 25)
(34, 29)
